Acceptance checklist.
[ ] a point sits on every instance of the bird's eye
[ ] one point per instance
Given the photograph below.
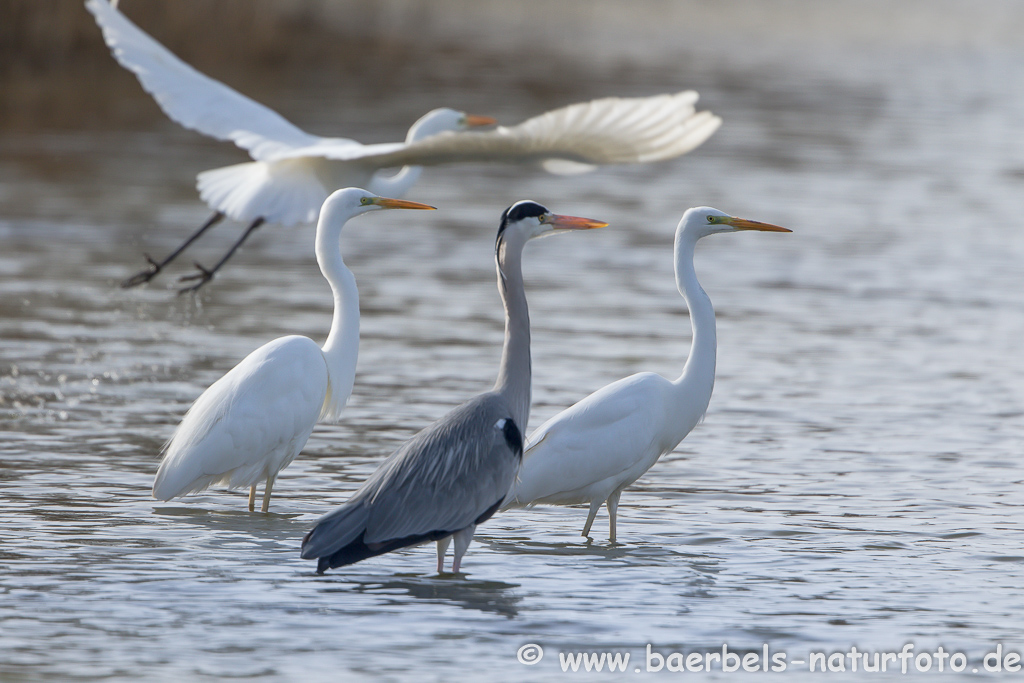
(711, 219)
(364, 201)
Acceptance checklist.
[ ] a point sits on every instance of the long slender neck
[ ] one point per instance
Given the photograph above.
(396, 185)
(514, 374)
(698, 376)
(400, 183)
(342, 345)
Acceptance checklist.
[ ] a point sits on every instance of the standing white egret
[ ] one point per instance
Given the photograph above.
(252, 422)
(294, 171)
(454, 474)
(591, 451)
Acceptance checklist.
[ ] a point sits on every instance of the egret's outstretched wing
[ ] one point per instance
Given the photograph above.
(449, 476)
(194, 100)
(572, 139)
(279, 193)
(254, 418)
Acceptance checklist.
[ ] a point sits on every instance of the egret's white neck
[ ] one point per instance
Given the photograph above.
(400, 183)
(397, 185)
(342, 346)
(514, 373)
(698, 377)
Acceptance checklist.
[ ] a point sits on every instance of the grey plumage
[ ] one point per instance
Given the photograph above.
(449, 476)
(454, 474)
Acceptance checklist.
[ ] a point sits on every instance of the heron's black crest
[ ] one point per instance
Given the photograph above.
(519, 211)
(513, 437)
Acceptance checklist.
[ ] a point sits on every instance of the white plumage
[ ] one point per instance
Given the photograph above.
(294, 171)
(593, 450)
(252, 422)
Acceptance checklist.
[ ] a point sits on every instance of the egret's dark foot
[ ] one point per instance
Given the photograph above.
(143, 276)
(202, 277)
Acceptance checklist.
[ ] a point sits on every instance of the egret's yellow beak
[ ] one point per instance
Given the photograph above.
(571, 222)
(472, 120)
(386, 203)
(744, 224)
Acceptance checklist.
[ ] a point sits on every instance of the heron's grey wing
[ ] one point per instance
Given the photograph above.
(571, 139)
(452, 474)
(335, 530)
(193, 99)
(449, 476)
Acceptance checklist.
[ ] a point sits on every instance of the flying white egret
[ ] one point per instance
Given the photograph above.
(591, 451)
(454, 474)
(293, 171)
(252, 422)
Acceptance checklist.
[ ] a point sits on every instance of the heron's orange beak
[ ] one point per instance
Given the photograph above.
(744, 224)
(386, 203)
(571, 222)
(472, 120)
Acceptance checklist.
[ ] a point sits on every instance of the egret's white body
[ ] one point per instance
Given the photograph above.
(591, 451)
(252, 422)
(293, 171)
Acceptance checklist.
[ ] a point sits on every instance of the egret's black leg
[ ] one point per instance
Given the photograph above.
(205, 275)
(154, 267)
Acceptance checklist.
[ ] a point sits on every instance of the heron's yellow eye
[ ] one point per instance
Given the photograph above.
(711, 219)
(364, 201)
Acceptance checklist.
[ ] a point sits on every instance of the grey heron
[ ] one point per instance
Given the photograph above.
(590, 452)
(252, 422)
(454, 474)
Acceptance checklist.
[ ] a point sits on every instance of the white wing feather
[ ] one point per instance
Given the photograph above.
(250, 423)
(285, 193)
(195, 100)
(607, 131)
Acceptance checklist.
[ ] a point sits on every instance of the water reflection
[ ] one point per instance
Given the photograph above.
(265, 529)
(473, 594)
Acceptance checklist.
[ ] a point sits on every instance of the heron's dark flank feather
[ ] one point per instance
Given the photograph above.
(486, 515)
(513, 437)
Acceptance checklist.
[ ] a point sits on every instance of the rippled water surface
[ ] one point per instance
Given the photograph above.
(857, 481)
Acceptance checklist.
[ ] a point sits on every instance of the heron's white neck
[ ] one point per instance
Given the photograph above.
(698, 376)
(342, 346)
(514, 373)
